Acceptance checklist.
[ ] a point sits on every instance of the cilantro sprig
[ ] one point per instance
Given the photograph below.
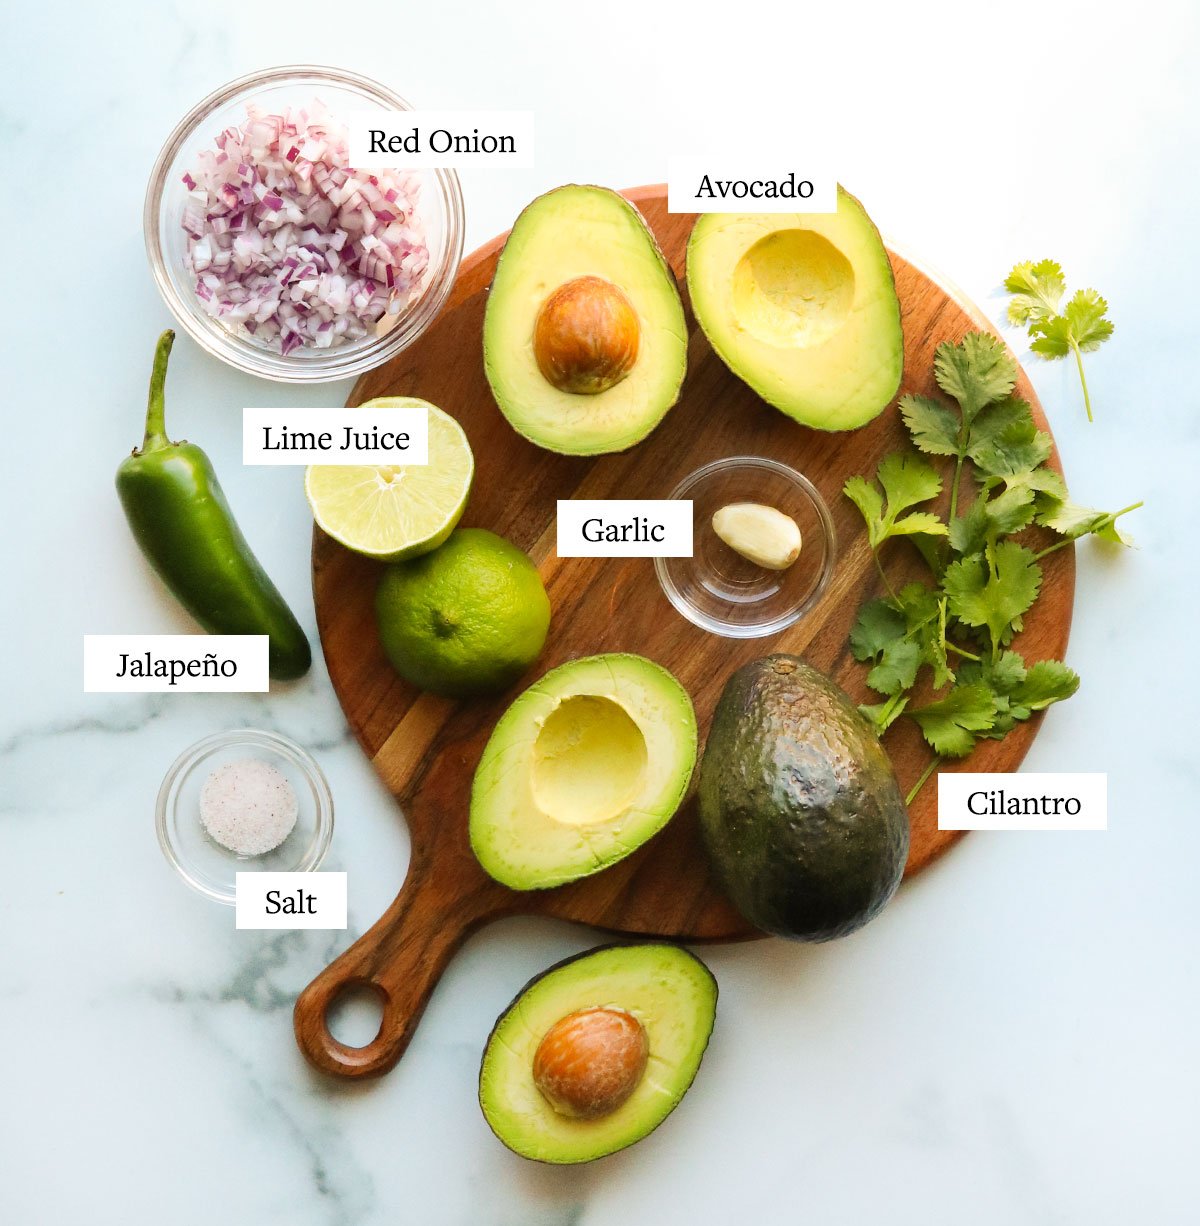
(960, 624)
(1056, 330)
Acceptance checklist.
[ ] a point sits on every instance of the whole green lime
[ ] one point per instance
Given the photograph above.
(468, 618)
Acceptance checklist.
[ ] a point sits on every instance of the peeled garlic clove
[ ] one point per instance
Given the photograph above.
(761, 534)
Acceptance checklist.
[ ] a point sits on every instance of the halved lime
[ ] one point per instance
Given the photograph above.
(393, 512)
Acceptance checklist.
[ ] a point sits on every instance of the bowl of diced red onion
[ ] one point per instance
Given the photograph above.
(278, 257)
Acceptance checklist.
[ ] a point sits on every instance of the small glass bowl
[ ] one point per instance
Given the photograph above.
(292, 85)
(201, 861)
(718, 589)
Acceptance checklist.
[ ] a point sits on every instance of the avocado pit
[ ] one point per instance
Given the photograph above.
(590, 1062)
(586, 336)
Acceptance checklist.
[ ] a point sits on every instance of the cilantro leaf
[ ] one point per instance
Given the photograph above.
(1087, 313)
(990, 518)
(1002, 676)
(1004, 440)
(881, 635)
(898, 635)
(925, 621)
(1072, 522)
(869, 501)
(1018, 691)
(993, 589)
(933, 427)
(897, 668)
(1037, 288)
(877, 625)
(919, 522)
(951, 724)
(906, 480)
(969, 532)
(1009, 511)
(1041, 481)
(976, 372)
(1082, 325)
(1079, 327)
(918, 604)
(1047, 682)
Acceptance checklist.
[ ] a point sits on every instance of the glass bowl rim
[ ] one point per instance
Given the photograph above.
(235, 350)
(195, 753)
(777, 624)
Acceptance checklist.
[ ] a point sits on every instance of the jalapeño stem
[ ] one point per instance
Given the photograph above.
(156, 430)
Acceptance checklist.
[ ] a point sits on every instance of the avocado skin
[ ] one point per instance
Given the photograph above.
(800, 811)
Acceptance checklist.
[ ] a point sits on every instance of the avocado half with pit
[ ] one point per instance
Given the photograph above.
(583, 768)
(596, 1052)
(584, 340)
(803, 308)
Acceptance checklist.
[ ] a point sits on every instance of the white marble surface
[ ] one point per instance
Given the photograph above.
(1013, 1041)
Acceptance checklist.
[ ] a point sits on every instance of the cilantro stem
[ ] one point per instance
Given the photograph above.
(994, 571)
(1087, 400)
(883, 574)
(924, 779)
(964, 438)
(1106, 522)
(961, 651)
(886, 716)
(1067, 540)
(958, 467)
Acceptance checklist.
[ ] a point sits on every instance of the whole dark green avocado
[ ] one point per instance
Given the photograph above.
(800, 811)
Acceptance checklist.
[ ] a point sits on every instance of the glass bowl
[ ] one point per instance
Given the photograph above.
(718, 589)
(201, 861)
(293, 85)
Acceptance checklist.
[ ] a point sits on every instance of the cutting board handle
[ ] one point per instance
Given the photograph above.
(401, 958)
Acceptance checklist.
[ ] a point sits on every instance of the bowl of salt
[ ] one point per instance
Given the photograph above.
(243, 801)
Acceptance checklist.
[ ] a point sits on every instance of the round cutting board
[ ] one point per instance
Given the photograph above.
(426, 748)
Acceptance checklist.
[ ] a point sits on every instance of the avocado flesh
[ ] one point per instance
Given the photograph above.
(803, 308)
(573, 232)
(581, 770)
(800, 812)
(669, 991)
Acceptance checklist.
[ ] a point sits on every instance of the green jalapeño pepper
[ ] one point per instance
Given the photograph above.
(183, 524)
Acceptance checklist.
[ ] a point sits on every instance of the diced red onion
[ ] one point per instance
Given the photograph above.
(291, 245)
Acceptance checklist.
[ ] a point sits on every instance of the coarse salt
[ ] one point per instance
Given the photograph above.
(248, 806)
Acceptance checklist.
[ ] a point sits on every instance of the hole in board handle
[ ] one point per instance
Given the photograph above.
(355, 1015)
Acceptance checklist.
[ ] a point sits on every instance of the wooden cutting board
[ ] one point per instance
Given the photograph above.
(426, 748)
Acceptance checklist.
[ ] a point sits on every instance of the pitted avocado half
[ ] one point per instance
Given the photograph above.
(584, 340)
(596, 1052)
(802, 306)
(581, 770)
